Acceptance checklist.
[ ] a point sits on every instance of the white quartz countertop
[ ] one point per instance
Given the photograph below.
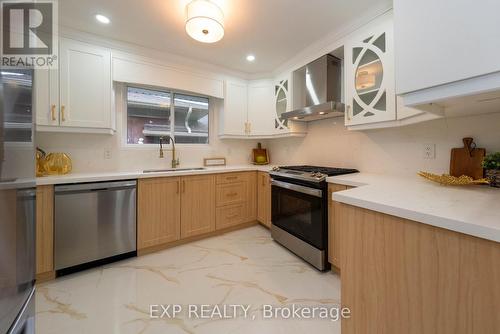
(113, 176)
(16, 184)
(472, 210)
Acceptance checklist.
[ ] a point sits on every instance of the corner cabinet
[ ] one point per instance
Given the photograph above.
(248, 109)
(369, 75)
(62, 105)
(252, 109)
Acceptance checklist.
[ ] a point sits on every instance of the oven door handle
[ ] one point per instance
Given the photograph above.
(296, 187)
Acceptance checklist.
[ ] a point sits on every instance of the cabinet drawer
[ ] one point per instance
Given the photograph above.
(231, 178)
(231, 193)
(230, 215)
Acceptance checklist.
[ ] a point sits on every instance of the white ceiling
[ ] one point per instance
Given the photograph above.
(273, 30)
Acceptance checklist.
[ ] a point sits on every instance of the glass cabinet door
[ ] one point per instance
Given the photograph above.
(370, 78)
(282, 100)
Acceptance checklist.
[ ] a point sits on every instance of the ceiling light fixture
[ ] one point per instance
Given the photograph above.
(204, 21)
(250, 58)
(103, 19)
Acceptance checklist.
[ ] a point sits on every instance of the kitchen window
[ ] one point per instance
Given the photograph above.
(152, 114)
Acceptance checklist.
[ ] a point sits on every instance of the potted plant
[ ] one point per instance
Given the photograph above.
(491, 164)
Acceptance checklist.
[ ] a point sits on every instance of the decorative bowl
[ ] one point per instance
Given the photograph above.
(449, 180)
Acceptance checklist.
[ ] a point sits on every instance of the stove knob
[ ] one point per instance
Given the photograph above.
(275, 169)
(318, 175)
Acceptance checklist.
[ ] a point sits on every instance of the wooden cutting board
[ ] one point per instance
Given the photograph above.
(260, 155)
(467, 160)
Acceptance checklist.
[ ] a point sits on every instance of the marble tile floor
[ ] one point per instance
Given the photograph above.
(244, 267)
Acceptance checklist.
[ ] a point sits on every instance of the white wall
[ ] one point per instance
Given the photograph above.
(397, 151)
(87, 150)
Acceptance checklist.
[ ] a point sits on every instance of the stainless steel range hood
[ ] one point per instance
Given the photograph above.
(318, 90)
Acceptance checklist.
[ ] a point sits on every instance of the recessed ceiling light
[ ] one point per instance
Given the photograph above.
(250, 57)
(103, 19)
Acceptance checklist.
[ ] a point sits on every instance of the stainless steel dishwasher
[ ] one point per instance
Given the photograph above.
(95, 223)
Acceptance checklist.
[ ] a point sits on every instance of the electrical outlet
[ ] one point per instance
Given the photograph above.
(429, 151)
(107, 154)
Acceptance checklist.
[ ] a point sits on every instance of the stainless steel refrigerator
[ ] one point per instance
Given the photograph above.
(17, 203)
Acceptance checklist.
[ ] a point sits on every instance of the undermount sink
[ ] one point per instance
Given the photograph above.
(172, 170)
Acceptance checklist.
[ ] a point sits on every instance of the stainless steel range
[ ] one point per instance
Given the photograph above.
(300, 210)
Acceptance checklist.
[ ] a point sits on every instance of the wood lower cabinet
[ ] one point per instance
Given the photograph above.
(334, 226)
(158, 211)
(231, 193)
(171, 209)
(251, 199)
(197, 205)
(401, 276)
(264, 198)
(236, 199)
(174, 208)
(230, 215)
(45, 232)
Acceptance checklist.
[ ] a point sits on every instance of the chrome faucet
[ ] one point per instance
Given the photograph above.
(175, 162)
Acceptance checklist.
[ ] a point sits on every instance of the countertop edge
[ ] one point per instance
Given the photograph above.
(423, 218)
(114, 176)
(349, 183)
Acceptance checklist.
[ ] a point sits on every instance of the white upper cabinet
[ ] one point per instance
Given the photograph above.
(233, 120)
(46, 97)
(369, 75)
(252, 109)
(260, 108)
(445, 42)
(78, 96)
(85, 85)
